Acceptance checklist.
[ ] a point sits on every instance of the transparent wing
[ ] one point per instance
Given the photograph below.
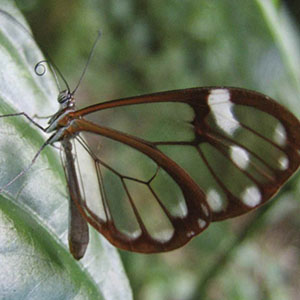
(126, 199)
(172, 161)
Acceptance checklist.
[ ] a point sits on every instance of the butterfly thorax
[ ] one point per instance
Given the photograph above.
(64, 116)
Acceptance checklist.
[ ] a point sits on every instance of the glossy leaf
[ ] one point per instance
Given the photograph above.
(42, 191)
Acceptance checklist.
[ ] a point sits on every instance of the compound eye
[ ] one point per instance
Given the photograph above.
(63, 96)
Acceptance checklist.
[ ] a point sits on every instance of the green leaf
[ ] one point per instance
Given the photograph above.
(35, 262)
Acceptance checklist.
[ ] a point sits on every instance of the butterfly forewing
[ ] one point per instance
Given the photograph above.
(260, 141)
(167, 164)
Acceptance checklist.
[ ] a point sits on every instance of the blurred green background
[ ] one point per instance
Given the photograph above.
(150, 46)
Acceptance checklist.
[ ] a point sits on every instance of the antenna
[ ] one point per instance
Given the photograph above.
(54, 70)
(88, 61)
(49, 61)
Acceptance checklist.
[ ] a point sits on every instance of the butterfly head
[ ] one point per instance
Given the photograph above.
(65, 99)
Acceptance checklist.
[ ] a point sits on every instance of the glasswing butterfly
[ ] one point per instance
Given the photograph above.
(215, 153)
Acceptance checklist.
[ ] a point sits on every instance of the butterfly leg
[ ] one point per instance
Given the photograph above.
(36, 155)
(24, 171)
(27, 117)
